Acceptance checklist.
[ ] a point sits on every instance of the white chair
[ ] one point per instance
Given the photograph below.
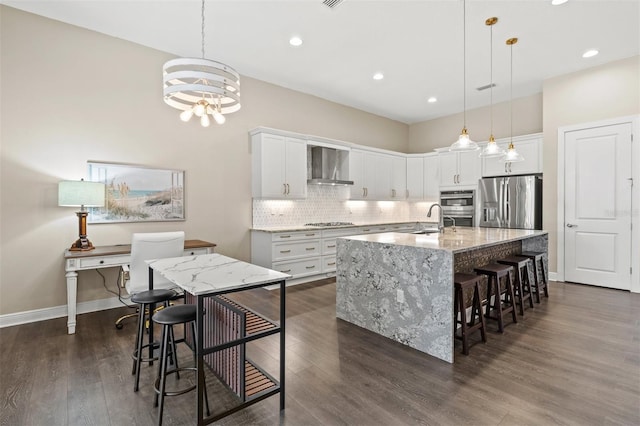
(147, 246)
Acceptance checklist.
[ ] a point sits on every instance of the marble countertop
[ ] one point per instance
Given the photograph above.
(213, 273)
(293, 228)
(464, 239)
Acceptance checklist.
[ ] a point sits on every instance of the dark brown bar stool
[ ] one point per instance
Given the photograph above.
(168, 317)
(464, 282)
(522, 288)
(541, 280)
(147, 301)
(501, 306)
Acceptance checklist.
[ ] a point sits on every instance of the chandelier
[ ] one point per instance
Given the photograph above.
(201, 87)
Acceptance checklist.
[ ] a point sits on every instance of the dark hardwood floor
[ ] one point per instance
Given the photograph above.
(573, 360)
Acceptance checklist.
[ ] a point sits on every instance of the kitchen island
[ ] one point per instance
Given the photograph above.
(401, 285)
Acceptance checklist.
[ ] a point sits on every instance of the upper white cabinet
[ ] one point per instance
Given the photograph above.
(362, 168)
(431, 175)
(459, 168)
(279, 166)
(529, 146)
(415, 178)
(398, 177)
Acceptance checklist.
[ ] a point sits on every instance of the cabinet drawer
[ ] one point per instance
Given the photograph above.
(195, 252)
(298, 268)
(293, 236)
(295, 249)
(329, 246)
(100, 262)
(328, 263)
(340, 232)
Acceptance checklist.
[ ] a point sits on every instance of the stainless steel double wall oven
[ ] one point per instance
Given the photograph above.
(458, 206)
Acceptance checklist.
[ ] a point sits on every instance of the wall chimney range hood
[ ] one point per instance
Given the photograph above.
(329, 166)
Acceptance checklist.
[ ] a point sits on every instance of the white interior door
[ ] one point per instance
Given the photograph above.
(597, 228)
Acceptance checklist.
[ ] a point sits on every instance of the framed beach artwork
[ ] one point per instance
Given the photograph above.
(137, 193)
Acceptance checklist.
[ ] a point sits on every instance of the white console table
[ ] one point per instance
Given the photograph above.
(108, 257)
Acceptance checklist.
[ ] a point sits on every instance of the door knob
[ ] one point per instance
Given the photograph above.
(571, 225)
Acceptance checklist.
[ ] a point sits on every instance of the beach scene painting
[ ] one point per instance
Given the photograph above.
(137, 194)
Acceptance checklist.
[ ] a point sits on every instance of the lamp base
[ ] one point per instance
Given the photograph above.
(82, 244)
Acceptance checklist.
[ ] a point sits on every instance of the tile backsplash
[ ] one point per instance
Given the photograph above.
(332, 204)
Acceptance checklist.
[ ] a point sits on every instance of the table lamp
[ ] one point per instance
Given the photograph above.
(81, 194)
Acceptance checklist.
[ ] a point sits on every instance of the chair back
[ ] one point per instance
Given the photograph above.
(149, 246)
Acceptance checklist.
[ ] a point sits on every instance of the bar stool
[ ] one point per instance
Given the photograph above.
(541, 280)
(168, 317)
(522, 290)
(501, 307)
(464, 282)
(146, 301)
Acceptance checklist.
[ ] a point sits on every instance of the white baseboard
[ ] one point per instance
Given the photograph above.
(553, 276)
(36, 315)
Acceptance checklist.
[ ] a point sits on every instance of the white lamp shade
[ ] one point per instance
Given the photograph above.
(72, 193)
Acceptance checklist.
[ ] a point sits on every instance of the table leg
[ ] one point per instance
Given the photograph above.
(199, 347)
(72, 290)
(282, 338)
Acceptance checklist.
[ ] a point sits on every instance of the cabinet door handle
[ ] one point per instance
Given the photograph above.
(309, 235)
(331, 246)
(393, 193)
(284, 189)
(285, 251)
(285, 236)
(311, 267)
(331, 263)
(310, 248)
(286, 271)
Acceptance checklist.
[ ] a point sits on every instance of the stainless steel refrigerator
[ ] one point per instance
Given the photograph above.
(511, 202)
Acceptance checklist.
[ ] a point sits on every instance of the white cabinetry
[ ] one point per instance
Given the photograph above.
(529, 146)
(398, 177)
(362, 171)
(415, 178)
(279, 166)
(459, 168)
(431, 185)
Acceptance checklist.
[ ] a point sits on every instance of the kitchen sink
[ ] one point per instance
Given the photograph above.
(425, 232)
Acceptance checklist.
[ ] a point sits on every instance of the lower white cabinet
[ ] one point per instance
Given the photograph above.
(307, 255)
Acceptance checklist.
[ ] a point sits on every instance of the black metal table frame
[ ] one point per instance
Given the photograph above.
(201, 351)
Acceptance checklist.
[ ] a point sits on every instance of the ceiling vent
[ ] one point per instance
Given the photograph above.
(485, 87)
(332, 3)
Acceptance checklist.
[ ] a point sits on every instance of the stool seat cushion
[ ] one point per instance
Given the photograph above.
(176, 314)
(153, 296)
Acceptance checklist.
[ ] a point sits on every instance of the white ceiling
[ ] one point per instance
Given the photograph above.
(418, 44)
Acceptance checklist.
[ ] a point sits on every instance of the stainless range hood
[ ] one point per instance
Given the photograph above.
(329, 166)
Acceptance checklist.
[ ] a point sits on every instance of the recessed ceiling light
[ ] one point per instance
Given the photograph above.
(432, 99)
(295, 41)
(590, 53)
(558, 2)
(378, 76)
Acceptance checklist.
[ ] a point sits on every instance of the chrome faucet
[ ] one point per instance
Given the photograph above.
(441, 222)
(453, 228)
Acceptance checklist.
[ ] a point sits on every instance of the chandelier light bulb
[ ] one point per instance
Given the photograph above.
(220, 118)
(204, 120)
(186, 115)
(199, 109)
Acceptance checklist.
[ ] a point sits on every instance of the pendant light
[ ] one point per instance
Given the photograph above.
(511, 156)
(491, 149)
(464, 143)
(201, 87)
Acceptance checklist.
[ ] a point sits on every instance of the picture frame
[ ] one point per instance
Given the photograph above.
(137, 193)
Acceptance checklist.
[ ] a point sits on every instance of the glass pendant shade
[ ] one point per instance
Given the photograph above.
(464, 143)
(512, 156)
(492, 149)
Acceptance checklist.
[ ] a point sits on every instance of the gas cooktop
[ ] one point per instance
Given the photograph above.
(320, 224)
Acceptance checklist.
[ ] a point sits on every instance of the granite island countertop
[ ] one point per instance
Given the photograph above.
(463, 239)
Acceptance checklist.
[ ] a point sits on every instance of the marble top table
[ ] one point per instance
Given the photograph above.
(208, 275)
(401, 285)
(214, 273)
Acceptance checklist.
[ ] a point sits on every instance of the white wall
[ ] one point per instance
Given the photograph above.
(70, 95)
